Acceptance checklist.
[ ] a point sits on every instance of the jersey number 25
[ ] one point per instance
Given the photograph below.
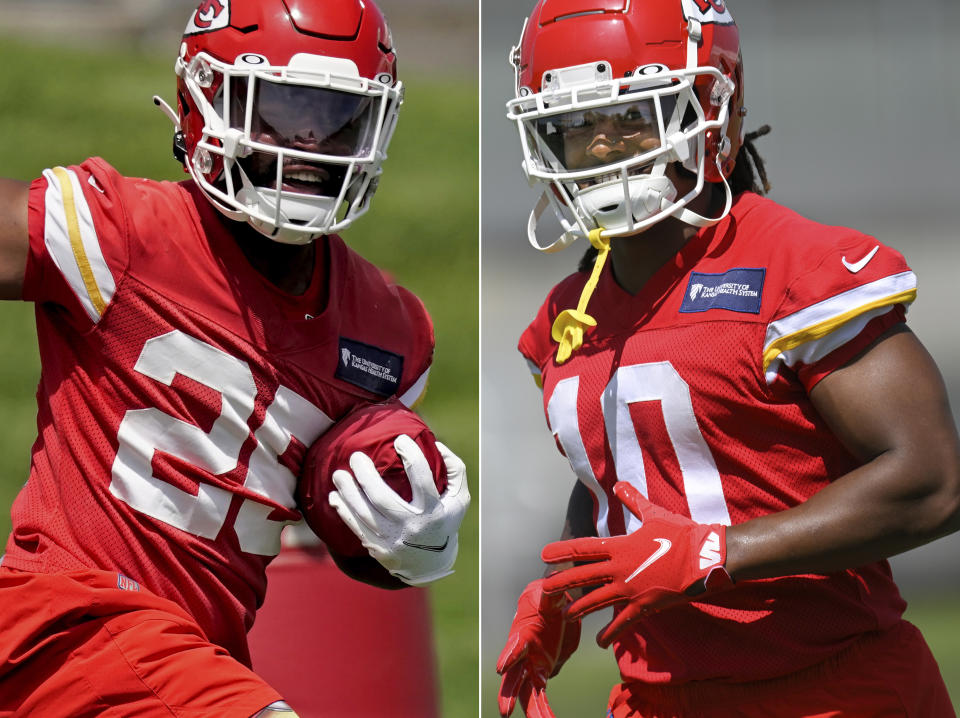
(146, 431)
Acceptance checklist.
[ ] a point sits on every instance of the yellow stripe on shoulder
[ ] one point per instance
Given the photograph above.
(76, 240)
(817, 331)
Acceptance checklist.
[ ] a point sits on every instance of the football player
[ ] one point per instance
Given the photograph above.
(753, 426)
(195, 338)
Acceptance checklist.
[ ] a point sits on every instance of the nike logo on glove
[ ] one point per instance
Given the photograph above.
(427, 547)
(665, 545)
(857, 266)
(710, 551)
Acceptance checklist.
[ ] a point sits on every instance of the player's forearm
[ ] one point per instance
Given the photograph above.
(577, 523)
(14, 239)
(888, 506)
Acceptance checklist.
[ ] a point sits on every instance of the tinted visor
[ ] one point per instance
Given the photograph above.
(311, 119)
(567, 141)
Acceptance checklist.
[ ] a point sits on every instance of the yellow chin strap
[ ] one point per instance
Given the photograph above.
(570, 324)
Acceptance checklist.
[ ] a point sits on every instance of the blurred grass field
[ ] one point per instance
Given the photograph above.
(59, 106)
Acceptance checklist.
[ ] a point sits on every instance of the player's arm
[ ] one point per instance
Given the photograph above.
(889, 407)
(540, 639)
(14, 237)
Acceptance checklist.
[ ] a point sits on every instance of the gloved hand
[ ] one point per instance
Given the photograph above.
(539, 643)
(670, 559)
(415, 541)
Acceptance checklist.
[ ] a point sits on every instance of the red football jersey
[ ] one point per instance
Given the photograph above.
(179, 389)
(695, 390)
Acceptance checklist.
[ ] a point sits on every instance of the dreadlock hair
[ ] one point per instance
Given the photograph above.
(749, 166)
(749, 175)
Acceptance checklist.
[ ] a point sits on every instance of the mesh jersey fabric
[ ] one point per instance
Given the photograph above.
(177, 398)
(695, 390)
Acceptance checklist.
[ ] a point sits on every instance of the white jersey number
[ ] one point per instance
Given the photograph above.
(143, 432)
(659, 382)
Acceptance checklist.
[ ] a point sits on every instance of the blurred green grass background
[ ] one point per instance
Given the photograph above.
(59, 106)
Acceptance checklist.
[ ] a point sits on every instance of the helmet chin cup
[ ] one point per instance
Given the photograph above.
(294, 208)
(619, 209)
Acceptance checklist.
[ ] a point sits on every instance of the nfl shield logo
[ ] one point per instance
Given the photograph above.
(127, 584)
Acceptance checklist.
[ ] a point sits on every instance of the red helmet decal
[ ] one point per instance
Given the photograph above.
(209, 16)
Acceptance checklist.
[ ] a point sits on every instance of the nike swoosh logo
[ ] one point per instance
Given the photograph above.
(427, 547)
(857, 266)
(665, 545)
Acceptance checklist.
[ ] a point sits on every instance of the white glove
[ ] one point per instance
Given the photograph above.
(415, 541)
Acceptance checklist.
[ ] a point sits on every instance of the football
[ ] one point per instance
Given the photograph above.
(370, 428)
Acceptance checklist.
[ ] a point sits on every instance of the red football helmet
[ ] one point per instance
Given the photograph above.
(665, 75)
(286, 108)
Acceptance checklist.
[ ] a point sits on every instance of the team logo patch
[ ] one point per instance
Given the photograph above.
(739, 290)
(127, 584)
(209, 16)
(372, 368)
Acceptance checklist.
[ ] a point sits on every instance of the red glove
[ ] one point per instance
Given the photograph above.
(670, 559)
(540, 641)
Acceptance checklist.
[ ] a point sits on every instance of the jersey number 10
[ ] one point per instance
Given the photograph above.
(660, 382)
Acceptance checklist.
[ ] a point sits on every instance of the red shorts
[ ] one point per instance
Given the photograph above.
(93, 643)
(885, 675)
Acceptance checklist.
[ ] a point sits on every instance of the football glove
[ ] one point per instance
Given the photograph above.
(415, 541)
(539, 643)
(670, 559)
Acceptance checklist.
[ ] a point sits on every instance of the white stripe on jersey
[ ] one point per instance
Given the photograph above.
(414, 395)
(71, 239)
(810, 334)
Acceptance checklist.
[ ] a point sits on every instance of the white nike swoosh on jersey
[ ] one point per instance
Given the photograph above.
(665, 545)
(857, 266)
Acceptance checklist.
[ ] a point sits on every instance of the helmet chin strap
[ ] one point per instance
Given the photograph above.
(569, 326)
(572, 231)
(697, 220)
